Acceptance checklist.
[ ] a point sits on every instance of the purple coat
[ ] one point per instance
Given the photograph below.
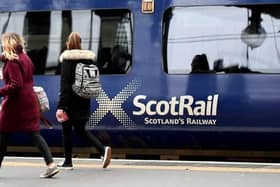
(20, 110)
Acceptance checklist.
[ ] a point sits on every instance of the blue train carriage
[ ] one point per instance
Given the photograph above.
(179, 78)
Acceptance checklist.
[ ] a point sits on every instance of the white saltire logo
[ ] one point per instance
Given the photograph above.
(114, 106)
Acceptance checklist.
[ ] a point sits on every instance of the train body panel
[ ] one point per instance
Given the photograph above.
(155, 106)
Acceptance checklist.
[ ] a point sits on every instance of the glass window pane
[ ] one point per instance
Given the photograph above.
(233, 39)
(106, 32)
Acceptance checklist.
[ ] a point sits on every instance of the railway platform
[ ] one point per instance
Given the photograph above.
(25, 171)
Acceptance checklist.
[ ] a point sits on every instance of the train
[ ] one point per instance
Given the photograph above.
(192, 80)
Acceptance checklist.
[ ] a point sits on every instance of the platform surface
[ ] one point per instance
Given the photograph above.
(25, 171)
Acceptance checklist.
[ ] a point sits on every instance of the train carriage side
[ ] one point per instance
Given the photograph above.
(184, 79)
(225, 58)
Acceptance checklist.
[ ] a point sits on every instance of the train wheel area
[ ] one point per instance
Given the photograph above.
(160, 154)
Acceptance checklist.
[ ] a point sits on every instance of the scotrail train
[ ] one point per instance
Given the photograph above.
(179, 78)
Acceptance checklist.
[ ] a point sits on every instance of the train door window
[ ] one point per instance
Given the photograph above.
(115, 42)
(224, 39)
(106, 32)
(36, 33)
(11, 22)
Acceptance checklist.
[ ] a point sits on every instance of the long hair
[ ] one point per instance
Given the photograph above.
(11, 44)
(74, 41)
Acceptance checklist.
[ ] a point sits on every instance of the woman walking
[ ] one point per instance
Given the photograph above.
(20, 110)
(73, 110)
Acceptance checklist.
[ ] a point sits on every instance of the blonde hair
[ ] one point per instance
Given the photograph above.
(74, 41)
(10, 44)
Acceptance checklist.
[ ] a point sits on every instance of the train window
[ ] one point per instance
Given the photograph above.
(224, 39)
(106, 32)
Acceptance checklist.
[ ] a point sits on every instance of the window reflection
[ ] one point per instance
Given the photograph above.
(235, 39)
(45, 33)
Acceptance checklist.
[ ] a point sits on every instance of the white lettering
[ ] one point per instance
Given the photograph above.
(185, 105)
(162, 108)
(215, 104)
(209, 105)
(149, 108)
(173, 104)
(201, 122)
(199, 110)
(141, 106)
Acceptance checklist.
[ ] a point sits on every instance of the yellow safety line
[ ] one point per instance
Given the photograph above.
(188, 168)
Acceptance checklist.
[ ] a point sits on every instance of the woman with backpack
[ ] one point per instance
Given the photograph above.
(74, 110)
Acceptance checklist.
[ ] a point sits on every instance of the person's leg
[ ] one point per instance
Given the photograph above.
(94, 141)
(67, 141)
(3, 145)
(79, 127)
(42, 146)
(45, 152)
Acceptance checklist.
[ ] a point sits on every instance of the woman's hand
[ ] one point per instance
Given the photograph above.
(61, 116)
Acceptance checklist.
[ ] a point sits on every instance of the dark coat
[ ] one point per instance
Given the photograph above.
(76, 107)
(20, 110)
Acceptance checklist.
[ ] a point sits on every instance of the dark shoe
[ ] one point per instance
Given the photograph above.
(107, 157)
(64, 165)
(50, 172)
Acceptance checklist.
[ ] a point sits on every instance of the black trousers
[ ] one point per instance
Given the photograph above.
(38, 140)
(79, 127)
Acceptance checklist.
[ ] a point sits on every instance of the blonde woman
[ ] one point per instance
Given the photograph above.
(20, 110)
(73, 110)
